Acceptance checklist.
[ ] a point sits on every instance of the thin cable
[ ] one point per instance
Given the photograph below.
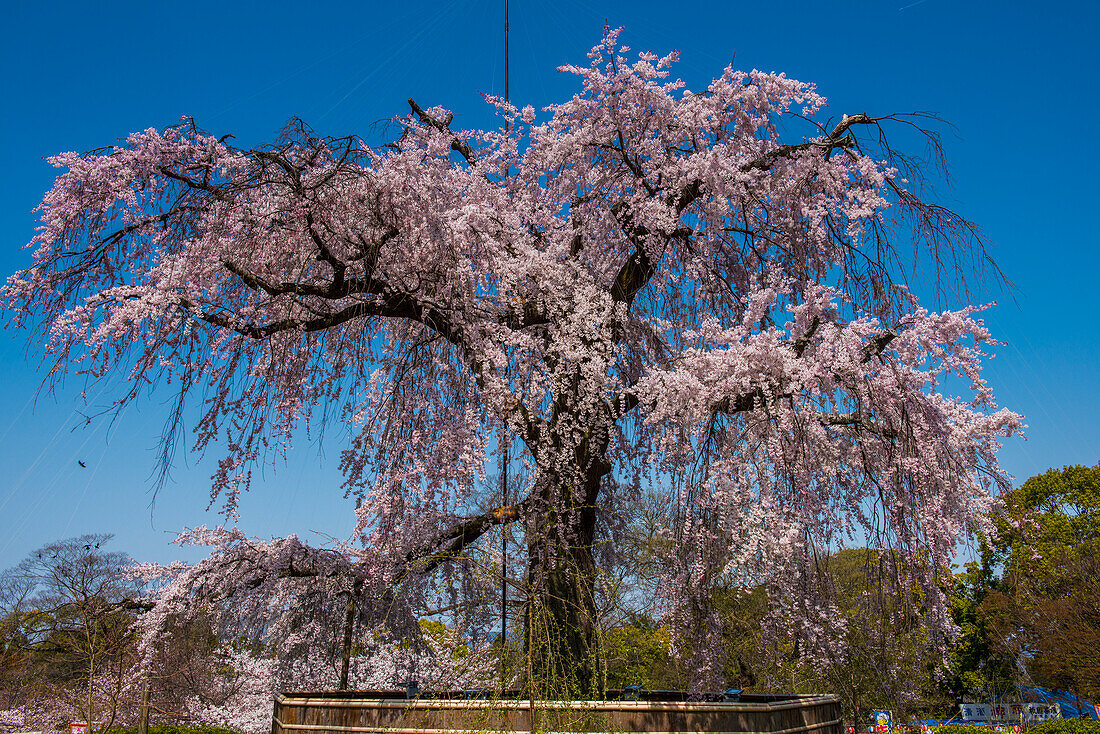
(84, 492)
(358, 40)
(437, 20)
(49, 444)
(18, 415)
(48, 491)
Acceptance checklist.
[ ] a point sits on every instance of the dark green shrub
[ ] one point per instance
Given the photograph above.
(964, 730)
(1066, 726)
(174, 729)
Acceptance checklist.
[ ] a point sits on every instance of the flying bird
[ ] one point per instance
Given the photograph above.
(82, 464)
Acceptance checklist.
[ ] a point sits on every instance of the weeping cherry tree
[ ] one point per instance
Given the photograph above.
(703, 291)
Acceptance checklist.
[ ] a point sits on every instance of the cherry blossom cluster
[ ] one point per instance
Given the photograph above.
(284, 612)
(115, 697)
(40, 714)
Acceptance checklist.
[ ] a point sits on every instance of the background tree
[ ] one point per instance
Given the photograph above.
(978, 664)
(650, 283)
(15, 645)
(1043, 610)
(71, 625)
(259, 617)
(1050, 519)
(1067, 628)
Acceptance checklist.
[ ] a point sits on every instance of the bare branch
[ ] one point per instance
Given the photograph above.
(799, 345)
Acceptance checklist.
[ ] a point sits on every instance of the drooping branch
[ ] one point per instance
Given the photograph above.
(192, 183)
(640, 266)
(399, 305)
(877, 345)
(387, 304)
(250, 567)
(756, 397)
(799, 345)
(744, 402)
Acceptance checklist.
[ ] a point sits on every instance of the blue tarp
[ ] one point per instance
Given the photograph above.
(1068, 701)
(1028, 694)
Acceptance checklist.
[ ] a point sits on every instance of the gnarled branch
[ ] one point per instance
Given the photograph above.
(858, 421)
(451, 542)
(443, 126)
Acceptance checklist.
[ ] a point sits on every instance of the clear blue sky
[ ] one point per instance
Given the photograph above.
(1017, 79)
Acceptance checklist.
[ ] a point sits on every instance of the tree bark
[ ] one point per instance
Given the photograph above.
(349, 625)
(563, 643)
(143, 721)
(564, 646)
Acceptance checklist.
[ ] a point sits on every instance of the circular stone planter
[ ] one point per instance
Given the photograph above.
(384, 712)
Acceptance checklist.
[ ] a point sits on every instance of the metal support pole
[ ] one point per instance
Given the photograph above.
(504, 459)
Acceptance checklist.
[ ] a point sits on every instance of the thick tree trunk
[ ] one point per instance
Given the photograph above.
(143, 721)
(563, 631)
(564, 645)
(350, 613)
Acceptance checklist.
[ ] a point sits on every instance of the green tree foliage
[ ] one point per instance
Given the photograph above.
(173, 729)
(1066, 726)
(1046, 523)
(638, 654)
(444, 639)
(1045, 609)
(977, 664)
(744, 612)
